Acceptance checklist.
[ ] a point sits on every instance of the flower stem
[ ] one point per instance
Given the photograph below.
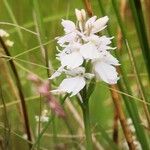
(86, 118)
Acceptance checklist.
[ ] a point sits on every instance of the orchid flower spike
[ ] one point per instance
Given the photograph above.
(80, 47)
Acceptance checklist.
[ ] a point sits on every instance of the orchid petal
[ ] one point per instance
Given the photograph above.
(70, 37)
(71, 60)
(90, 22)
(99, 24)
(57, 73)
(89, 51)
(106, 72)
(72, 85)
(68, 25)
(110, 59)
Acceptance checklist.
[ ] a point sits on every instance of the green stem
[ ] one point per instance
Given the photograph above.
(86, 118)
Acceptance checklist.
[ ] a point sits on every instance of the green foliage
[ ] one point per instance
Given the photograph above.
(33, 25)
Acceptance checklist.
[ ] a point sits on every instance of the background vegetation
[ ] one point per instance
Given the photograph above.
(32, 24)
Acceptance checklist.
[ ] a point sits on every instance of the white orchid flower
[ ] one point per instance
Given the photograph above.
(105, 72)
(68, 25)
(104, 68)
(68, 38)
(70, 59)
(71, 86)
(80, 14)
(74, 55)
(109, 59)
(79, 45)
(57, 73)
(70, 32)
(95, 26)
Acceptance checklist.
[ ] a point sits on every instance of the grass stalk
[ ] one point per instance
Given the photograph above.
(116, 98)
(122, 118)
(12, 16)
(131, 106)
(147, 6)
(46, 126)
(139, 83)
(116, 127)
(19, 86)
(39, 123)
(6, 123)
(137, 13)
(39, 24)
(88, 7)
(13, 90)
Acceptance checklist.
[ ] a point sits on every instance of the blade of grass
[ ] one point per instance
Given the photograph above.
(19, 86)
(46, 126)
(6, 122)
(39, 123)
(130, 105)
(7, 77)
(116, 98)
(147, 6)
(12, 16)
(39, 24)
(107, 138)
(45, 20)
(19, 136)
(32, 49)
(139, 83)
(137, 13)
(132, 108)
(18, 26)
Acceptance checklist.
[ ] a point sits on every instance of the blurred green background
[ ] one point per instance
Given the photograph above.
(21, 12)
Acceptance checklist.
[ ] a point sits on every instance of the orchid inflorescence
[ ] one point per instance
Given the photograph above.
(84, 54)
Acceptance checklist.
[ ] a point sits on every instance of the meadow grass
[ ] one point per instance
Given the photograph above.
(33, 26)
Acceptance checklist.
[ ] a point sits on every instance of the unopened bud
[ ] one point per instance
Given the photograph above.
(80, 14)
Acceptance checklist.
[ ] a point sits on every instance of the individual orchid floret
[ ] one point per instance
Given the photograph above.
(80, 15)
(105, 72)
(74, 54)
(93, 26)
(82, 49)
(71, 86)
(68, 25)
(75, 81)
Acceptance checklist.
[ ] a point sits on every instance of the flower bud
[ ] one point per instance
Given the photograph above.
(80, 14)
